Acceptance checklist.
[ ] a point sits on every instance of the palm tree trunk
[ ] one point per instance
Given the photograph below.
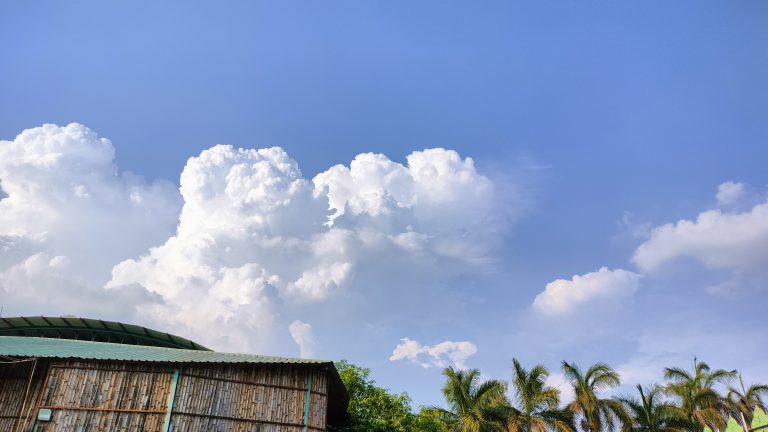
(744, 424)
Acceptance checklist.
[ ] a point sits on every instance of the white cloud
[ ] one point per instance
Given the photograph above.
(65, 193)
(69, 214)
(255, 237)
(45, 284)
(729, 193)
(563, 296)
(245, 228)
(716, 238)
(438, 201)
(442, 355)
(247, 241)
(319, 282)
(301, 333)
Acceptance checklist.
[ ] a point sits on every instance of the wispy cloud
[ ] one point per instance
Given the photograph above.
(443, 354)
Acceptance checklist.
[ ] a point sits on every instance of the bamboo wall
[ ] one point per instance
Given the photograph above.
(232, 398)
(105, 397)
(128, 397)
(15, 378)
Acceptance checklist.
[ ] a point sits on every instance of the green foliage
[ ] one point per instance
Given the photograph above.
(372, 408)
(651, 413)
(688, 403)
(743, 402)
(430, 420)
(474, 406)
(596, 414)
(536, 406)
(697, 400)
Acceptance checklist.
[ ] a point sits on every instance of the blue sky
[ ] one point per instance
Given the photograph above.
(595, 123)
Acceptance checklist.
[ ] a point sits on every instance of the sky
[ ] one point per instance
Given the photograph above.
(405, 185)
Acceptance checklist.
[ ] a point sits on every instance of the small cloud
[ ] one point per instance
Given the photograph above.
(729, 193)
(318, 283)
(442, 355)
(563, 296)
(301, 333)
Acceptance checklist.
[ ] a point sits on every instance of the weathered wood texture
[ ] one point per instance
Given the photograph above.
(232, 398)
(18, 385)
(86, 396)
(128, 397)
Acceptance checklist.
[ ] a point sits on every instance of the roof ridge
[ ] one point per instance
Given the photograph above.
(175, 354)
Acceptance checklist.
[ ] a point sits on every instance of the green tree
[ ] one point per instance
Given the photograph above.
(372, 408)
(430, 420)
(536, 405)
(474, 406)
(698, 401)
(743, 402)
(596, 414)
(651, 413)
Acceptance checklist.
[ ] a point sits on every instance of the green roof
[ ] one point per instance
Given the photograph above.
(92, 330)
(18, 346)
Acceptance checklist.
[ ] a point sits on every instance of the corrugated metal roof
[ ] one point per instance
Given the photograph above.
(18, 346)
(68, 327)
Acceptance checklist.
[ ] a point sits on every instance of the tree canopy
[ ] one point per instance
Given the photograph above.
(690, 401)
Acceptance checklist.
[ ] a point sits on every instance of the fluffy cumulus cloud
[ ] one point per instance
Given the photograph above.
(67, 215)
(438, 202)
(443, 354)
(255, 235)
(716, 238)
(245, 238)
(564, 296)
(45, 284)
(301, 333)
(319, 282)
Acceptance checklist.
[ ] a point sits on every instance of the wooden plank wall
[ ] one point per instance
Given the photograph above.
(120, 397)
(14, 379)
(267, 398)
(132, 397)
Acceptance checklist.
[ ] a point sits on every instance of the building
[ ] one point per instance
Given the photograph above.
(72, 374)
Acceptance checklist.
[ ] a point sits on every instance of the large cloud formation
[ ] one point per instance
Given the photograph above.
(254, 234)
(67, 215)
(246, 245)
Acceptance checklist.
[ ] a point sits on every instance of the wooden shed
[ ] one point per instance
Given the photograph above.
(51, 384)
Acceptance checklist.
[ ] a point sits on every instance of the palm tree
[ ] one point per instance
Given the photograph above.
(699, 403)
(651, 413)
(597, 415)
(537, 405)
(474, 406)
(742, 404)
